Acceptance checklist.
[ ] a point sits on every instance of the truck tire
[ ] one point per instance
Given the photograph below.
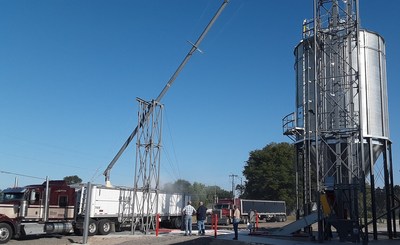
(177, 223)
(5, 233)
(282, 218)
(78, 232)
(92, 229)
(104, 227)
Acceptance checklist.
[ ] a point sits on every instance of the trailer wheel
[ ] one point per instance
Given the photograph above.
(92, 229)
(177, 223)
(282, 218)
(5, 233)
(104, 227)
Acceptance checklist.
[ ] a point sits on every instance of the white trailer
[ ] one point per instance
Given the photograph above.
(114, 205)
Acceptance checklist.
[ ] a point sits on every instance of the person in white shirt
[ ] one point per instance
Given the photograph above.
(187, 213)
(236, 220)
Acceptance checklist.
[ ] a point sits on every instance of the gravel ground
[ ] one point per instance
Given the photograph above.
(124, 238)
(115, 239)
(169, 239)
(173, 237)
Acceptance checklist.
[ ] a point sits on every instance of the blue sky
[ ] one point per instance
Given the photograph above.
(70, 72)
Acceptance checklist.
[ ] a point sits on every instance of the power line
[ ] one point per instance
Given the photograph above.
(22, 175)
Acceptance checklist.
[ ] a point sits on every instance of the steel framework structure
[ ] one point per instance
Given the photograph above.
(147, 168)
(335, 154)
(337, 128)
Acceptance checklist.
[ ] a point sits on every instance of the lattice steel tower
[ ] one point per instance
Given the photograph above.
(340, 127)
(147, 168)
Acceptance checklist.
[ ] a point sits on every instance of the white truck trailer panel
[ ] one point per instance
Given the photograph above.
(116, 201)
(171, 204)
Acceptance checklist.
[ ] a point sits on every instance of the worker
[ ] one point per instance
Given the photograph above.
(187, 213)
(236, 220)
(201, 217)
(252, 220)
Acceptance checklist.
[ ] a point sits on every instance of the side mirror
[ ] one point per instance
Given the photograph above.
(32, 198)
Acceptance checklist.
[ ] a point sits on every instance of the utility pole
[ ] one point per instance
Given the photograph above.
(233, 176)
(241, 186)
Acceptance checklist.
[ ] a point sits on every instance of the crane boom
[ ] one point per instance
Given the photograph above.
(195, 46)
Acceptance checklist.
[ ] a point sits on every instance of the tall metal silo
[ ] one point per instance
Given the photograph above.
(340, 126)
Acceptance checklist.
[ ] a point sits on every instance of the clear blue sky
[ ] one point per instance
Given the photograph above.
(70, 71)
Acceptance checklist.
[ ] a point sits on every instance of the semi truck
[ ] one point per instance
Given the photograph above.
(56, 207)
(267, 210)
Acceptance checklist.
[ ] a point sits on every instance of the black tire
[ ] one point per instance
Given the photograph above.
(78, 232)
(5, 233)
(118, 227)
(104, 227)
(93, 227)
(177, 223)
(227, 221)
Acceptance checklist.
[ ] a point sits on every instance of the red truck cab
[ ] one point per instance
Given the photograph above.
(27, 211)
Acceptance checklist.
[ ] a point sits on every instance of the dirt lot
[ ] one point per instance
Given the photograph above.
(170, 237)
(124, 238)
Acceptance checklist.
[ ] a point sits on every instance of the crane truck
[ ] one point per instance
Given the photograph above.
(56, 207)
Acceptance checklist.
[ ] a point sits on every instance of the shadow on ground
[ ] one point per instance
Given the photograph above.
(210, 241)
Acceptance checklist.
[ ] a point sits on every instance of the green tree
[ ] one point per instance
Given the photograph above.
(73, 179)
(197, 191)
(179, 186)
(215, 192)
(270, 174)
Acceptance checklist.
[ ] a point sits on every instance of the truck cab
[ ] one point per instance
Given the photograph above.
(27, 211)
(224, 210)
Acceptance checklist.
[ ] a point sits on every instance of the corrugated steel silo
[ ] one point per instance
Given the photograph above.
(373, 79)
(340, 126)
(372, 69)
